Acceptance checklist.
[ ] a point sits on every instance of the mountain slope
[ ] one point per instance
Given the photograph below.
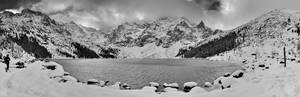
(265, 35)
(161, 38)
(38, 35)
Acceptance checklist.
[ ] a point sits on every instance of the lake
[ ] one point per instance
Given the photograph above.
(139, 72)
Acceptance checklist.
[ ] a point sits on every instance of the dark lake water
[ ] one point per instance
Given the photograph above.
(139, 72)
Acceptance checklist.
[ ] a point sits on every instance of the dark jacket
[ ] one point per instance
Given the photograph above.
(6, 59)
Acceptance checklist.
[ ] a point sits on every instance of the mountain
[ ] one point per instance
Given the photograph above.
(161, 38)
(266, 35)
(33, 33)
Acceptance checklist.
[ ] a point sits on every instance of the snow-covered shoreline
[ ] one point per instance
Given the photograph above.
(38, 81)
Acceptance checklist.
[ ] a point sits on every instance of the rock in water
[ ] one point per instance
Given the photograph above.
(93, 82)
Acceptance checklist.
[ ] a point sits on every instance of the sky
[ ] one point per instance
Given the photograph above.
(102, 14)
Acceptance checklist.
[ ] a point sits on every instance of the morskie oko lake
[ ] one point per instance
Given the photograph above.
(139, 72)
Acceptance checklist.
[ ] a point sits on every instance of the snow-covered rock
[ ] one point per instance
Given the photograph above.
(154, 84)
(169, 89)
(115, 86)
(238, 74)
(172, 85)
(207, 84)
(70, 79)
(125, 86)
(103, 83)
(66, 73)
(188, 86)
(227, 74)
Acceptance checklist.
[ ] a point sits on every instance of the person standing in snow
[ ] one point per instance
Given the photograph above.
(6, 61)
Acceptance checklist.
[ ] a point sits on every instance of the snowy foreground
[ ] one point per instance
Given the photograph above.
(259, 81)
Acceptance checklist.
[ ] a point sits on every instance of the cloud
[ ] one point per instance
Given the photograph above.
(16, 4)
(212, 5)
(108, 13)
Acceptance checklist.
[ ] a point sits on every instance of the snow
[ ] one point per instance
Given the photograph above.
(150, 51)
(172, 85)
(207, 84)
(154, 84)
(37, 81)
(190, 84)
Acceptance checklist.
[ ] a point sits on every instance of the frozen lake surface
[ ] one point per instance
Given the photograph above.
(139, 72)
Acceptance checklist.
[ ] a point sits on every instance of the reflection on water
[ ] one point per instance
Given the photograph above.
(139, 72)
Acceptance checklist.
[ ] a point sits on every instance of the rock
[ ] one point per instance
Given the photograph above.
(281, 62)
(188, 86)
(227, 74)
(103, 83)
(125, 86)
(66, 73)
(93, 82)
(218, 81)
(169, 89)
(293, 59)
(153, 84)
(69, 78)
(115, 86)
(238, 74)
(262, 65)
(172, 85)
(207, 84)
(20, 65)
(51, 67)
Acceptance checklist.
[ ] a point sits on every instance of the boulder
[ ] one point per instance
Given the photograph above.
(125, 86)
(20, 65)
(172, 85)
(207, 84)
(69, 78)
(238, 74)
(218, 81)
(103, 83)
(66, 73)
(227, 74)
(115, 86)
(93, 82)
(262, 65)
(169, 89)
(188, 86)
(154, 84)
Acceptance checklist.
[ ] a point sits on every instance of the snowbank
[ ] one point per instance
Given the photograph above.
(38, 81)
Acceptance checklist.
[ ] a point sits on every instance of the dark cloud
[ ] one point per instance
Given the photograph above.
(215, 5)
(15, 4)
